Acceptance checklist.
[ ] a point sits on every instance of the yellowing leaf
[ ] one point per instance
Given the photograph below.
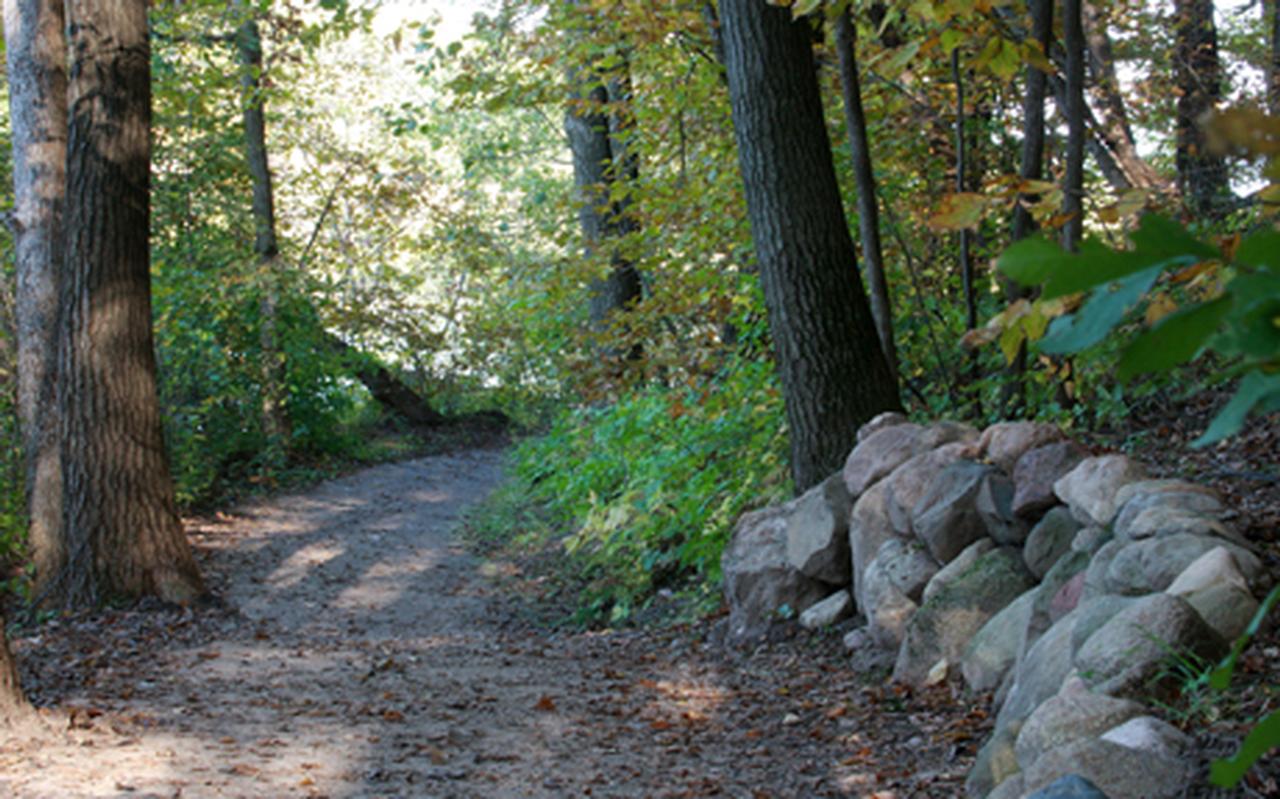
(1247, 131)
(804, 7)
(959, 211)
(1161, 306)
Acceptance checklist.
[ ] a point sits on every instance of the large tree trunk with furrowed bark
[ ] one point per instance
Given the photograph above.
(834, 375)
(122, 528)
(37, 55)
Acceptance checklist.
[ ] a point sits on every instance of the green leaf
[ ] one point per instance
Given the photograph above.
(1097, 265)
(1255, 387)
(1174, 340)
(1159, 236)
(1260, 740)
(1261, 250)
(1104, 310)
(1031, 260)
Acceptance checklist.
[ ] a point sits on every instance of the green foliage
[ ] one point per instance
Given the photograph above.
(1236, 313)
(1265, 735)
(651, 486)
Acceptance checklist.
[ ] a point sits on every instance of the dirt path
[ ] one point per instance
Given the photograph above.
(363, 653)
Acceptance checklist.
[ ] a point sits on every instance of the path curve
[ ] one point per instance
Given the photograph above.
(365, 654)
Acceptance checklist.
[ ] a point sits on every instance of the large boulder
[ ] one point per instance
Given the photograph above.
(1037, 470)
(818, 532)
(886, 608)
(1039, 673)
(1152, 564)
(1118, 770)
(879, 453)
(1090, 488)
(910, 481)
(1004, 443)
(943, 626)
(945, 516)
(869, 529)
(879, 422)
(1139, 498)
(1049, 540)
(906, 565)
(995, 762)
(1162, 520)
(994, 648)
(958, 566)
(1128, 656)
(1073, 713)
(1219, 592)
(758, 579)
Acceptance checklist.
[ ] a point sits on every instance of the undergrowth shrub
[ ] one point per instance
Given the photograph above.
(649, 488)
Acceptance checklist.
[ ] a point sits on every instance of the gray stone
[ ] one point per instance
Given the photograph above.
(1009, 789)
(1150, 734)
(945, 517)
(887, 609)
(879, 453)
(758, 580)
(1152, 564)
(1162, 521)
(994, 504)
(1215, 567)
(1051, 603)
(832, 610)
(1067, 597)
(869, 529)
(1093, 614)
(1136, 499)
(1117, 770)
(943, 626)
(880, 422)
(910, 481)
(1037, 470)
(1004, 443)
(1039, 673)
(995, 762)
(958, 566)
(1090, 488)
(1228, 609)
(1049, 540)
(1095, 577)
(942, 433)
(994, 648)
(1072, 786)
(907, 565)
(1073, 713)
(818, 532)
(1129, 656)
(1091, 539)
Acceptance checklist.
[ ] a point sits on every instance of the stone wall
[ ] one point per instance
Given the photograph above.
(1015, 561)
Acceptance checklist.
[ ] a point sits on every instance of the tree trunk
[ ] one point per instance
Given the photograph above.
(14, 709)
(865, 180)
(385, 386)
(1114, 128)
(1032, 165)
(122, 529)
(592, 136)
(274, 415)
(1073, 183)
(1202, 175)
(37, 54)
(834, 375)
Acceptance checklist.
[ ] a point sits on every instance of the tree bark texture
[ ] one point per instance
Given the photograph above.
(593, 136)
(274, 414)
(1202, 175)
(865, 182)
(834, 375)
(122, 529)
(13, 703)
(1033, 131)
(385, 386)
(1113, 123)
(36, 43)
(1073, 180)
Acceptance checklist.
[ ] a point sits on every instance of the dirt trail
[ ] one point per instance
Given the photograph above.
(364, 653)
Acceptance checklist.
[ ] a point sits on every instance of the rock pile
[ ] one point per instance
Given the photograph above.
(1013, 560)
